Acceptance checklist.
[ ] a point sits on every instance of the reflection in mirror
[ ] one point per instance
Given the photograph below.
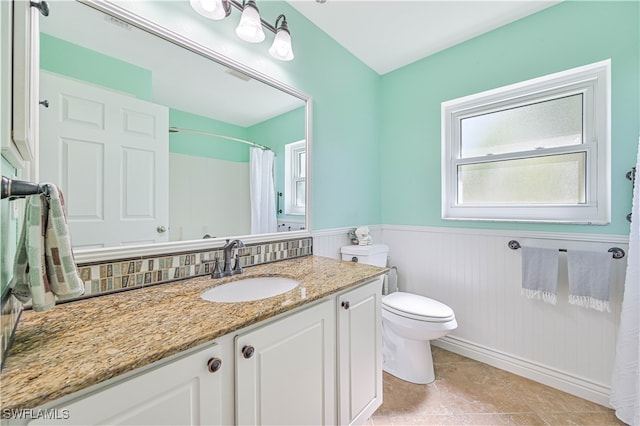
(114, 92)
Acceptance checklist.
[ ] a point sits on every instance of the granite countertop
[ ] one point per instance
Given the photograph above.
(79, 344)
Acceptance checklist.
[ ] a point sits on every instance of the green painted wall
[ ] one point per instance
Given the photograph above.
(206, 146)
(345, 186)
(345, 181)
(62, 57)
(376, 139)
(564, 36)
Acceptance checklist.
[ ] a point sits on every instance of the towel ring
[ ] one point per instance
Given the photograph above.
(617, 252)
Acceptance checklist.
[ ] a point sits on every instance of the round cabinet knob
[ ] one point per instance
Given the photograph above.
(354, 259)
(214, 364)
(248, 351)
(345, 304)
(161, 229)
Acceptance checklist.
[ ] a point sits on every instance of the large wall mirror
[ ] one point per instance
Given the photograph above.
(155, 139)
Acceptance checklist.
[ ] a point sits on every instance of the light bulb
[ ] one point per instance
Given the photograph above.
(212, 9)
(208, 5)
(250, 27)
(281, 47)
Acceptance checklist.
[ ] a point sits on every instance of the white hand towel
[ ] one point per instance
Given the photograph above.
(540, 273)
(589, 278)
(44, 264)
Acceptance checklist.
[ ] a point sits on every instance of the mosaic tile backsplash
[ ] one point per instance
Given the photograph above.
(130, 273)
(123, 274)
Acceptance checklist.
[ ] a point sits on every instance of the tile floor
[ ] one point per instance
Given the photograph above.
(468, 392)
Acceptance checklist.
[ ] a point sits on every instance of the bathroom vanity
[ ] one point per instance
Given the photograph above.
(162, 355)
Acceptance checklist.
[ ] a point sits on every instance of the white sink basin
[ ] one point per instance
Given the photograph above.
(248, 289)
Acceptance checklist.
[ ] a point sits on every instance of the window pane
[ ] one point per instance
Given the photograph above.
(301, 164)
(300, 194)
(547, 124)
(554, 179)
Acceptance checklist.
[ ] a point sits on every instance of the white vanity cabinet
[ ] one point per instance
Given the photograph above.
(320, 364)
(285, 370)
(359, 353)
(184, 391)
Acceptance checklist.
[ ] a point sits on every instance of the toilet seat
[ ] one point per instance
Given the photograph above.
(417, 307)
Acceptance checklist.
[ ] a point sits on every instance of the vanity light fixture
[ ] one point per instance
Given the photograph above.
(212, 9)
(250, 27)
(281, 47)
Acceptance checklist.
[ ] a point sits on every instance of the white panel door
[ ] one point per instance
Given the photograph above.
(109, 154)
(289, 376)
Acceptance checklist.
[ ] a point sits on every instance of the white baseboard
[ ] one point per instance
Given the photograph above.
(573, 385)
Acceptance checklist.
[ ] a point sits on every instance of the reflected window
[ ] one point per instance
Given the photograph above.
(295, 164)
(533, 151)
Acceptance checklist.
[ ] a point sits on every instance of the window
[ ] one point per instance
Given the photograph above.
(295, 166)
(532, 151)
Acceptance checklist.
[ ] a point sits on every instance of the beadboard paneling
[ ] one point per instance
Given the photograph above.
(328, 242)
(473, 271)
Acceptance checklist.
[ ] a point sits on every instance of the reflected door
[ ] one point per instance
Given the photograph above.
(108, 153)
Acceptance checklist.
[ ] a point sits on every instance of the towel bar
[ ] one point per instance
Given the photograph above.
(631, 175)
(618, 253)
(13, 188)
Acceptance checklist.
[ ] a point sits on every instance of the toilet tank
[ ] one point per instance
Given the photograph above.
(373, 254)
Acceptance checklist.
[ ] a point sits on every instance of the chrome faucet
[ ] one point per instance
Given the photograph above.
(228, 255)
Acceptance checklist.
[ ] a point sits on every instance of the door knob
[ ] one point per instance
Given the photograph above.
(248, 351)
(214, 364)
(161, 229)
(345, 304)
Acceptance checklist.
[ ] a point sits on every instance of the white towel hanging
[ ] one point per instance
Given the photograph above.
(589, 279)
(540, 273)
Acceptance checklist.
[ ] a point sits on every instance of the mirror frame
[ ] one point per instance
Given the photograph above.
(111, 253)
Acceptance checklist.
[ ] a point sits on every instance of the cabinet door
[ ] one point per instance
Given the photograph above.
(26, 64)
(285, 371)
(359, 353)
(182, 392)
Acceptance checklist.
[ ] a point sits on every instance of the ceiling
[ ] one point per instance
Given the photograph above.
(387, 35)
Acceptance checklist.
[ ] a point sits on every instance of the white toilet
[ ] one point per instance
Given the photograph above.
(409, 322)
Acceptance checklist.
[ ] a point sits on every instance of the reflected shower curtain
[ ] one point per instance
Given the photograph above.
(262, 192)
(625, 382)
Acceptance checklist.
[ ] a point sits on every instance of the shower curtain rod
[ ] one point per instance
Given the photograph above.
(216, 135)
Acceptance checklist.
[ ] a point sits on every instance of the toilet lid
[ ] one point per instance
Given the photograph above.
(417, 307)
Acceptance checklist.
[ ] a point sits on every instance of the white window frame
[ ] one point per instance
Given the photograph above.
(291, 178)
(594, 83)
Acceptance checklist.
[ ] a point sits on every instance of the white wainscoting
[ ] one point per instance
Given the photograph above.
(328, 242)
(474, 272)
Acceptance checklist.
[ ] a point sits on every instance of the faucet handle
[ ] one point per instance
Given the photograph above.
(217, 272)
(237, 268)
